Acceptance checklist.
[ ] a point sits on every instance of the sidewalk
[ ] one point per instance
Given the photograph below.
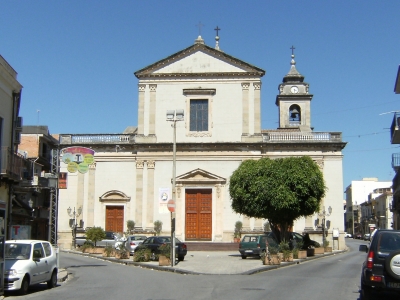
(210, 262)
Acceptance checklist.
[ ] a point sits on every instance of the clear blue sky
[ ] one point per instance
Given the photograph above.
(76, 61)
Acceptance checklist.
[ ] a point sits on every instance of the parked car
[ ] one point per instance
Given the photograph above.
(28, 262)
(347, 235)
(110, 239)
(380, 272)
(295, 238)
(153, 243)
(366, 237)
(133, 241)
(255, 244)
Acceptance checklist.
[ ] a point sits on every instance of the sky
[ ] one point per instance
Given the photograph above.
(76, 61)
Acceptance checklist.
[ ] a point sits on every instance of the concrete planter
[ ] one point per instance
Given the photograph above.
(328, 249)
(320, 250)
(163, 260)
(311, 252)
(274, 259)
(302, 254)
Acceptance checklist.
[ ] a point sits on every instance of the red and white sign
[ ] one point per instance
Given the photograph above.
(171, 205)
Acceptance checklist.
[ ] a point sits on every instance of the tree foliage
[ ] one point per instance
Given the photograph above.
(280, 190)
(95, 234)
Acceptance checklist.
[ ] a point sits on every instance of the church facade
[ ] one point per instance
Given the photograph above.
(209, 103)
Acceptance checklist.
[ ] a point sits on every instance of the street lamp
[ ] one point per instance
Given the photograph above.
(324, 214)
(174, 116)
(74, 214)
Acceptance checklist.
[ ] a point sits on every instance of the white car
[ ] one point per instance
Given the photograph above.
(347, 235)
(28, 262)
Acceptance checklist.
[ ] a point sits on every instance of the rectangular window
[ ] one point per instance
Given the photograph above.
(199, 115)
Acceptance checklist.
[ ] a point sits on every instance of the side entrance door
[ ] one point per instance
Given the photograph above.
(115, 218)
(198, 214)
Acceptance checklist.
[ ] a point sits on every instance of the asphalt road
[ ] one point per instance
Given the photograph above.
(333, 277)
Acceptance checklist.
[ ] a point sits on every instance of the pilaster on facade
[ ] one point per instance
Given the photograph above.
(141, 99)
(152, 109)
(257, 107)
(245, 108)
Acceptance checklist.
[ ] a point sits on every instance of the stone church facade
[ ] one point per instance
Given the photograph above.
(130, 175)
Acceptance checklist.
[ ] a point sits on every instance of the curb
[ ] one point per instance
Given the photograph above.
(186, 272)
(62, 275)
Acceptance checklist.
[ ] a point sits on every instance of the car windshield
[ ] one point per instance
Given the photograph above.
(17, 251)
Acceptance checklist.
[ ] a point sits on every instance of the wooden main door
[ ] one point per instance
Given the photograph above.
(115, 218)
(198, 215)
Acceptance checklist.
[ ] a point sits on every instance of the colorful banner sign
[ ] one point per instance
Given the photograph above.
(77, 159)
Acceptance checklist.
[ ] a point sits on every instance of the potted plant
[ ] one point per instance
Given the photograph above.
(121, 252)
(271, 256)
(326, 246)
(164, 256)
(158, 227)
(130, 225)
(287, 254)
(319, 250)
(108, 251)
(298, 251)
(237, 234)
(142, 255)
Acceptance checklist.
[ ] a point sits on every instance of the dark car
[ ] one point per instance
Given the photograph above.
(380, 272)
(295, 238)
(153, 243)
(255, 244)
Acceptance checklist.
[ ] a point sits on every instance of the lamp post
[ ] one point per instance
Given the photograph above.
(174, 116)
(74, 214)
(324, 214)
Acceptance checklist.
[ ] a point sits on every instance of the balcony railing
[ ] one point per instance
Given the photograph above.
(67, 139)
(12, 164)
(288, 136)
(396, 161)
(395, 129)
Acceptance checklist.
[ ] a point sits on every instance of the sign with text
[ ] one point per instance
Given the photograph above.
(78, 159)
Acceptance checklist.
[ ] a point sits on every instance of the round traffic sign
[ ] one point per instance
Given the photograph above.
(171, 205)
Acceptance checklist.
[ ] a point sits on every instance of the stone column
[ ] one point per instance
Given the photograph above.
(245, 108)
(89, 208)
(152, 109)
(219, 212)
(139, 193)
(257, 107)
(246, 224)
(309, 221)
(150, 194)
(142, 88)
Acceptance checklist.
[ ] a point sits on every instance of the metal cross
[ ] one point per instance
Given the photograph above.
(217, 29)
(200, 25)
(292, 49)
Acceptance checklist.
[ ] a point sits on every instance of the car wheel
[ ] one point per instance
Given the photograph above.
(24, 286)
(53, 280)
(181, 258)
(244, 256)
(392, 264)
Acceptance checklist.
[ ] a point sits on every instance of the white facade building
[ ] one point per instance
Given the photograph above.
(357, 193)
(130, 175)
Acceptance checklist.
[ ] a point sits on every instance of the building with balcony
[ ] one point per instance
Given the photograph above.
(395, 139)
(358, 193)
(216, 99)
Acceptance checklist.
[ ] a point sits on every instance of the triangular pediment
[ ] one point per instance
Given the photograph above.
(199, 60)
(200, 176)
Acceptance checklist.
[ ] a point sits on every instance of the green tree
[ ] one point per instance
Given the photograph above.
(280, 190)
(158, 227)
(95, 234)
(130, 224)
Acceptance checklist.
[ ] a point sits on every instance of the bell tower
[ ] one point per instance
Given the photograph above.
(294, 101)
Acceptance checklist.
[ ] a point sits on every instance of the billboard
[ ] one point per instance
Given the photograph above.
(77, 159)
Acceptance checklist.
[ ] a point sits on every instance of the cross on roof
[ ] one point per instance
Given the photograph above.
(292, 49)
(200, 25)
(217, 29)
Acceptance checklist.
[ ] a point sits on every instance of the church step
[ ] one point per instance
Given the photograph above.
(210, 246)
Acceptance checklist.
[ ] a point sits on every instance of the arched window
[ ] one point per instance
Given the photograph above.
(294, 115)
